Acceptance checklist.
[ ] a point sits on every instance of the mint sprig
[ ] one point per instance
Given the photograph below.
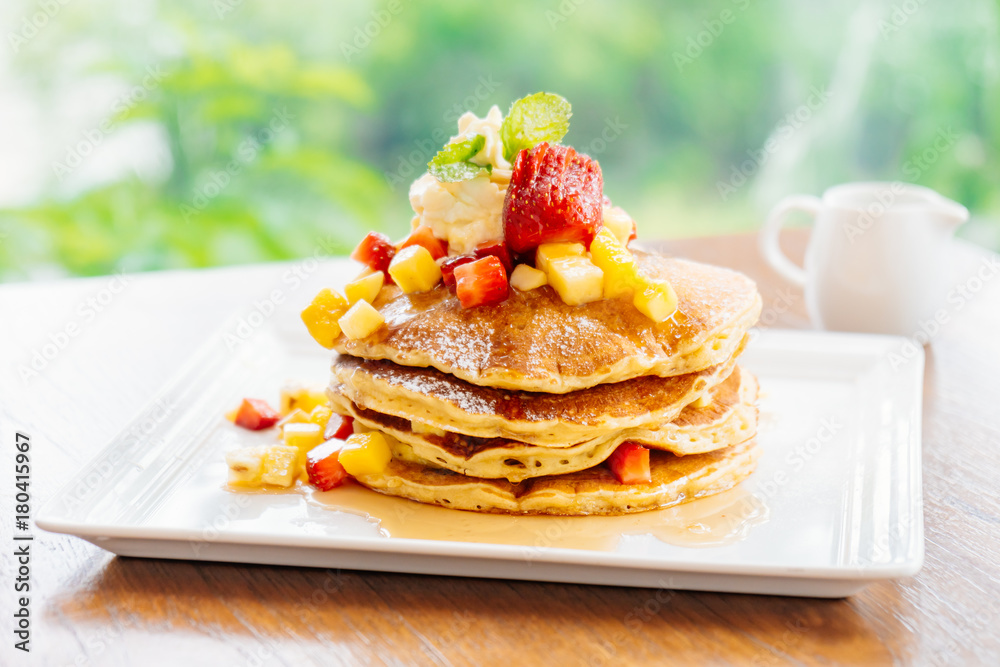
(534, 119)
(453, 162)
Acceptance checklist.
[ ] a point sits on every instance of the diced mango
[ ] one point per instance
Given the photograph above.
(361, 320)
(618, 222)
(365, 454)
(551, 251)
(656, 300)
(621, 273)
(526, 278)
(365, 288)
(246, 465)
(281, 465)
(302, 437)
(302, 397)
(322, 315)
(414, 270)
(576, 279)
(320, 415)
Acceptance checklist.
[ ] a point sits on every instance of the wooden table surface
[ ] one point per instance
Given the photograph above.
(126, 336)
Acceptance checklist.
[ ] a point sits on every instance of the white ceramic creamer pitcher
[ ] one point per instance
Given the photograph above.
(876, 257)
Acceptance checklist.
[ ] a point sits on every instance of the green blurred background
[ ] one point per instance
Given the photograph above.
(143, 135)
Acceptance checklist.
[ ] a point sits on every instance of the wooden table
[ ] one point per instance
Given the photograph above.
(130, 335)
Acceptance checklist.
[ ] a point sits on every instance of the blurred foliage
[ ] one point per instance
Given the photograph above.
(324, 112)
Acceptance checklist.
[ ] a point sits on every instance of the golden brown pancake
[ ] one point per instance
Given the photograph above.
(445, 403)
(535, 342)
(593, 491)
(731, 418)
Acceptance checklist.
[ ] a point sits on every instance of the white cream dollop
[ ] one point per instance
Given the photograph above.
(469, 125)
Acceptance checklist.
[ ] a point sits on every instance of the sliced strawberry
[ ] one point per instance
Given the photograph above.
(323, 466)
(482, 282)
(499, 250)
(340, 427)
(424, 236)
(256, 415)
(555, 195)
(630, 463)
(375, 250)
(449, 265)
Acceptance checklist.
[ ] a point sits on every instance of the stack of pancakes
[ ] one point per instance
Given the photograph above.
(515, 407)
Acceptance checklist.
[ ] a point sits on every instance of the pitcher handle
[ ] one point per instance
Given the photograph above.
(769, 245)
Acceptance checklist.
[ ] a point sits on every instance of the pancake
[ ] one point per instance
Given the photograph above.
(731, 418)
(535, 342)
(445, 403)
(675, 480)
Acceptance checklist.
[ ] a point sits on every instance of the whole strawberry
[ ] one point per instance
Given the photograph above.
(555, 196)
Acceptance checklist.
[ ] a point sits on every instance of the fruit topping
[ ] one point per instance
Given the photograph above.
(497, 249)
(302, 437)
(554, 196)
(550, 251)
(322, 315)
(298, 396)
(246, 465)
(620, 223)
(376, 251)
(621, 273)
(361, 321)
(340, 427)
(656, 300)
(365, 454)
(365, 288)
(323, 466)
(449, 265)
(280, 465)
(255, 414)
(482, 282)
(576, 279)
(424, 236)
(630, 463)
(525, 278)
(414, 269)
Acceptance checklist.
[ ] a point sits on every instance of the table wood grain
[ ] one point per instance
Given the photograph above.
(91, 608)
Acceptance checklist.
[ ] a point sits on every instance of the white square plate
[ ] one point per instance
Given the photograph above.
(834, 504)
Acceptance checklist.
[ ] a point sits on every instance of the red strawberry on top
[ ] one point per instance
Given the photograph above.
(555, 196)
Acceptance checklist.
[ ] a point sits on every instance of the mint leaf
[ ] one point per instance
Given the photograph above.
(451, 164)
(534, 119)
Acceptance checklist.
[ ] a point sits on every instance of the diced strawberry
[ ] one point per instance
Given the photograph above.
(323, 466)
(634, 235)
(630, 463)
(375, 250)
(449, 265)
(424, 236)
(555, 195)
(340, 427)
(256, 415)
(499, 250)
(481, 283)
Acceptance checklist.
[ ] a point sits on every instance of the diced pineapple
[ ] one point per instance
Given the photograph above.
(656, 300)
(365, 288)
(426, 429)
(302, 437)
(551, 251)
(621, 273)
(703, 401)
(526, 278)
(231, 415)
(576, 279)
(246, 465)
(322, 315)
(281, 465)
(302, 397)
(296, 416)
(320, 415)
(361, 320)
(414, 270)
(365, 454)
(618, 222)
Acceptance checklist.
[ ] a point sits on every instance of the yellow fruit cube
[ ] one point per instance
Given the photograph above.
(281, 464)
(576, 279)
(302, 437)
(551, 251)
(297, 396)
(426, 429)
(246, 465)
(361, 320)
(618, 222)
(365, 288)
(321, 316)
(621, 273)
(320, 415)
(526, 278)
(365, 454)
(656, 300)
(414, 270)
(704, 400)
